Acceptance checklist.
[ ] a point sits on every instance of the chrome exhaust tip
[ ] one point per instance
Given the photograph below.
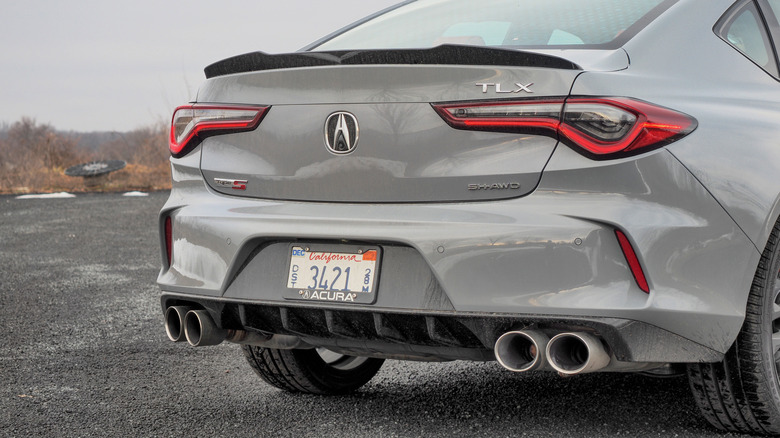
(577, 353)
(522, 351)
(174, 322)
(201, 331)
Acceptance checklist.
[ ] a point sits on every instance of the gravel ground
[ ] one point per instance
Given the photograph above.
(83, 353)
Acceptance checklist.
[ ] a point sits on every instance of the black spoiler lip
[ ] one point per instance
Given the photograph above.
(447, 54)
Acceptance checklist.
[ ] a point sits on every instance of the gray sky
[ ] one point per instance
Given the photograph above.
(97, 65)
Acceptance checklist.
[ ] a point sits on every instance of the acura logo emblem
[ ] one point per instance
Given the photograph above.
(341, 133)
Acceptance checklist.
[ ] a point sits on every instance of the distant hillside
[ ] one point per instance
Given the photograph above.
(90, 141)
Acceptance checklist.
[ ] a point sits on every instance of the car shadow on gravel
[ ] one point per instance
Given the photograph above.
(474, 399)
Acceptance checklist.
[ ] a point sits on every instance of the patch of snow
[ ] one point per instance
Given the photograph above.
(48, 196)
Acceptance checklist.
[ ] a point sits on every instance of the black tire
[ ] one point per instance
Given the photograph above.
(742, 393)
(315, 371)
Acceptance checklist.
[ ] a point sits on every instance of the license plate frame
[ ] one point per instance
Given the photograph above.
(318, 281)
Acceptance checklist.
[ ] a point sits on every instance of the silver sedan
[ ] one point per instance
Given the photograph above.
(559, 185)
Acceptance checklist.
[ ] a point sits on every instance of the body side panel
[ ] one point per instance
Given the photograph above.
(735, 152)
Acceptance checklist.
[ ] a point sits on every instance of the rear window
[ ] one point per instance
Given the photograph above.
(586, 24)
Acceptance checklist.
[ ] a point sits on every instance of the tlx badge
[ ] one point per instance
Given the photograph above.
(498, 88)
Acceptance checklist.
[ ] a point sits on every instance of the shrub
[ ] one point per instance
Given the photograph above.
(33, 159)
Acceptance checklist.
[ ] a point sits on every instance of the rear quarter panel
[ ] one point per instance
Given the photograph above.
(680, 63)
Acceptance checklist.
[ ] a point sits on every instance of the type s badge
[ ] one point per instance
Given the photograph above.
(235, 184)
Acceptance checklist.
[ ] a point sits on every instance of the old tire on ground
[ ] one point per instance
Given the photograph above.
(742, 393)
(314, 371)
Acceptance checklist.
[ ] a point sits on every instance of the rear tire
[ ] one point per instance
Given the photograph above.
(314, 371)
(742, 393)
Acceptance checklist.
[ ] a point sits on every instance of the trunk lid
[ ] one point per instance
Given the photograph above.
(380, 104)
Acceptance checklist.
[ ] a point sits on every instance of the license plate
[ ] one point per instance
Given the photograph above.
(341, 274)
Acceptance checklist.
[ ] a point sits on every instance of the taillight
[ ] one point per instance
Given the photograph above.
(598, 127)
(621, 125)
(169, 239)
(520, 116)
(192, 123)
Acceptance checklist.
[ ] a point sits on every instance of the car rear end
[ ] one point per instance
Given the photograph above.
(452, 202)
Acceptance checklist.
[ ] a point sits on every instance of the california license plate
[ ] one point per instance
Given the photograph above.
(341, 273)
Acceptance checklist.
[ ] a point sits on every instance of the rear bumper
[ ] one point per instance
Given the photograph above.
(548, 260)
(421, 335)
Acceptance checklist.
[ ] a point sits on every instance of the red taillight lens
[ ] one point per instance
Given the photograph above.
(193, 123)
(621, 126)
(169, 239)
(633, 261)
(598, 127)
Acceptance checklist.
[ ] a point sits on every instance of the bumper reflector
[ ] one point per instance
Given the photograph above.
(169, 239)
(633, 261)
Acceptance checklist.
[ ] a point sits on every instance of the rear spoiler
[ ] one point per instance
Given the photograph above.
(447, 54)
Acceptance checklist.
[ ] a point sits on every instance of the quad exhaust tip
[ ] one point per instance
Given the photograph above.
(174, 322)
(522, 351)
(577, 353)
(566, 353)
(517, 351)
(201, 331)
(184, 323)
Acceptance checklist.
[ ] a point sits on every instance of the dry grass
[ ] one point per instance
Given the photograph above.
(33, 159)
